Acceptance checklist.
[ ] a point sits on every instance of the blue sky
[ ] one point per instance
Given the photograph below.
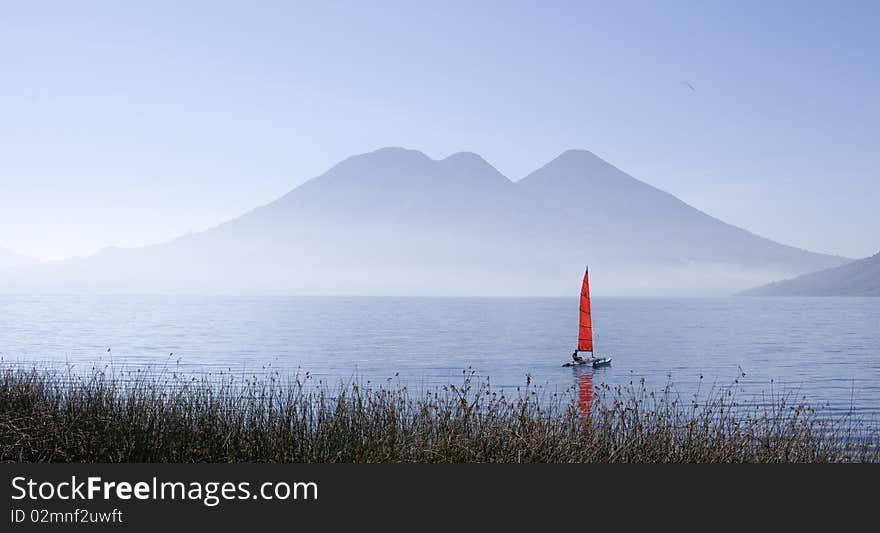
(124, 124)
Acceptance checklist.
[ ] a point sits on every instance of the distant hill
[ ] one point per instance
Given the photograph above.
(859, 278)
(396, 222)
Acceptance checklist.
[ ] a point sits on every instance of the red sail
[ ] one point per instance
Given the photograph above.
(585, 331)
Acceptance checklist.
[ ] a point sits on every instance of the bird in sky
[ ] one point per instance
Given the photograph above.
(691, 87)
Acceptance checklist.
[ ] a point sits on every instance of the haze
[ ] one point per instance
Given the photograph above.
(127, 125)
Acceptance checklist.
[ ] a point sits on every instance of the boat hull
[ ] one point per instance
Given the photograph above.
(594, 361)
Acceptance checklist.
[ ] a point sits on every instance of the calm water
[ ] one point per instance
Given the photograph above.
(827, 349)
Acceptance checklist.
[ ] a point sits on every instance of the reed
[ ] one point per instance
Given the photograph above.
(47, 415)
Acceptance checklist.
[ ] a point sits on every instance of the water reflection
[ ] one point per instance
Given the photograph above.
(585, 394)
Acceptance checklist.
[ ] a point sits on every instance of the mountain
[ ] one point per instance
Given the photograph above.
(396, 222)
(859, 278)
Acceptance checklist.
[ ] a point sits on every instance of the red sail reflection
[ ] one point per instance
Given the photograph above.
(585, 395)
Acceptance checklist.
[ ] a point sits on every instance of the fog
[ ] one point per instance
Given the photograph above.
(9, 259)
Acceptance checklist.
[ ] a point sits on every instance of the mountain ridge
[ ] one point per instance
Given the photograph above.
(395, 221)
(858, 278)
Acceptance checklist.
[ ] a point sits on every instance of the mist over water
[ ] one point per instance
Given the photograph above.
(823, 348)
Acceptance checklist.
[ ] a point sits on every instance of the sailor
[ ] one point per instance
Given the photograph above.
(577, 358)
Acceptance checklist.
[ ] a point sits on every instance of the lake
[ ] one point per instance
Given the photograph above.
(827, 349)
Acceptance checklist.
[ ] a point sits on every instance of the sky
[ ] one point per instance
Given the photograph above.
(125, 124)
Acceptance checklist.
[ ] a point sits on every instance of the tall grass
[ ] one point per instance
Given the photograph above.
(50, 416)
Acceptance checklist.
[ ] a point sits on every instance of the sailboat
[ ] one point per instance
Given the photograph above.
(585, 331)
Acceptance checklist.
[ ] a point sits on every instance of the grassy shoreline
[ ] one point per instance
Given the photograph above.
(152, 417)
